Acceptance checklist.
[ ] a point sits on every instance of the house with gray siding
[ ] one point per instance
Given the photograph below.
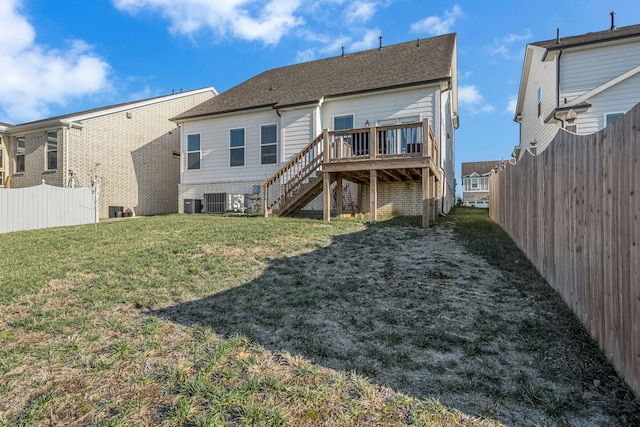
(475, 183)
(131, 149)
(579, 83)
(370, 132)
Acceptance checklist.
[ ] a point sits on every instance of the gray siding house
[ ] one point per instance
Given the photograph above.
(132, 150)
(580, 84)
(475, 183)
(373, 129)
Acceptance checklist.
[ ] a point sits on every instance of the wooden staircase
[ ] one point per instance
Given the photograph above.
(297, 183)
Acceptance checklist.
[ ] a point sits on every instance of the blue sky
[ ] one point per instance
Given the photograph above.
(67, 56)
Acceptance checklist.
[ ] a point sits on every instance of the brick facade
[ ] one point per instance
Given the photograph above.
(133, 153)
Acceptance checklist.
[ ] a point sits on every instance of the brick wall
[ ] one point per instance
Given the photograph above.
(130, 152)
(197, 191)
(34, 161)
(395, 198)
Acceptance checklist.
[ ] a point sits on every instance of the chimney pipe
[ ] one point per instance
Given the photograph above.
(418, 41)
(342, 50)
(380, 48)
(557, 35)
(613, 23)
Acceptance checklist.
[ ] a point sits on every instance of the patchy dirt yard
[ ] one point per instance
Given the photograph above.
(196, 320)
(432, 314)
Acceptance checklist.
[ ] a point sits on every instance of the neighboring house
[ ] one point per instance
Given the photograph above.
(4, 163)
(132, 150)
(286, 129)
(475, 183)
(580, 83)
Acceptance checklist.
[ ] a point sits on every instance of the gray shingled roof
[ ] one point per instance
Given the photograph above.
(590, 38)
(405, 64)
(480, 168)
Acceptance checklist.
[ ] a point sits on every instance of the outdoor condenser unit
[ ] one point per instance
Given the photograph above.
(235, 203)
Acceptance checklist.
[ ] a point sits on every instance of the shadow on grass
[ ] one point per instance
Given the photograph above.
(433, 312)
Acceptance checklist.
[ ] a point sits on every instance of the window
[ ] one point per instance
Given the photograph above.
(612, 117)
(474, 183)
(52, 150)
(1, 158)
(539, 100)
(194, 153)
(236, 147)
(343, 122)
(269, 144)
(20, 151)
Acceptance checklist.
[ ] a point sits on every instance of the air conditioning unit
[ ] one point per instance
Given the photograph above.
(235, 203)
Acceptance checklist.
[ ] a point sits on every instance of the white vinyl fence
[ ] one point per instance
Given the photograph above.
(45, 206)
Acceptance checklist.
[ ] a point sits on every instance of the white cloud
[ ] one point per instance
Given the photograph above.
(332, 46)
(360, 11)
(469, 97)
(436, 25)
(33, 76)
(504, 46)
(245, 19)
(511, 106)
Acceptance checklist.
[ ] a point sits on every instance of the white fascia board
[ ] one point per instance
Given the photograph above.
(524, 78)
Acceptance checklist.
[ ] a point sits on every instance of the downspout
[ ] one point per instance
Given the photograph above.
(281, 137)
(444, 181)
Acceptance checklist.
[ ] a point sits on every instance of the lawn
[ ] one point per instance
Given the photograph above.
(205, 320)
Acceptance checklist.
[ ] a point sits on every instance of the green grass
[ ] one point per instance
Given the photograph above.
(210, 321)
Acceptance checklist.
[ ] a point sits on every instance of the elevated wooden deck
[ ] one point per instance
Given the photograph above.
(398, 153)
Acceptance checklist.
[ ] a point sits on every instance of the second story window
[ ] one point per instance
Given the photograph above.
(193, 151)
(52, 150)
(236, 147)
(539, 100)
(19, 154)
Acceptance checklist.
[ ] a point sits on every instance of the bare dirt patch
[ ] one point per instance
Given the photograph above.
(415, 311)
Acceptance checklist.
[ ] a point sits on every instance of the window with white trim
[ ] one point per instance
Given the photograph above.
(194, 152)
(52, 150)
(268, 144)
(539, 100)
(19, 154)
(612, 117)
(236, 147)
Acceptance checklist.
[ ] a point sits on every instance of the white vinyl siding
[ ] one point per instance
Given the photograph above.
(584, 69)
(297, 132)
(541, 75)
(215, 148)
(411, 102)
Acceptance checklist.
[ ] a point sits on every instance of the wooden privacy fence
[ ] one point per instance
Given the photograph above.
(573, 210)
(45, 206)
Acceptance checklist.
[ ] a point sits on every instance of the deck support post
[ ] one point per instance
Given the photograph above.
(265, 197)
(326, 196)
(373, 195)
(434, 197)
(339, 206)
(426, 200)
